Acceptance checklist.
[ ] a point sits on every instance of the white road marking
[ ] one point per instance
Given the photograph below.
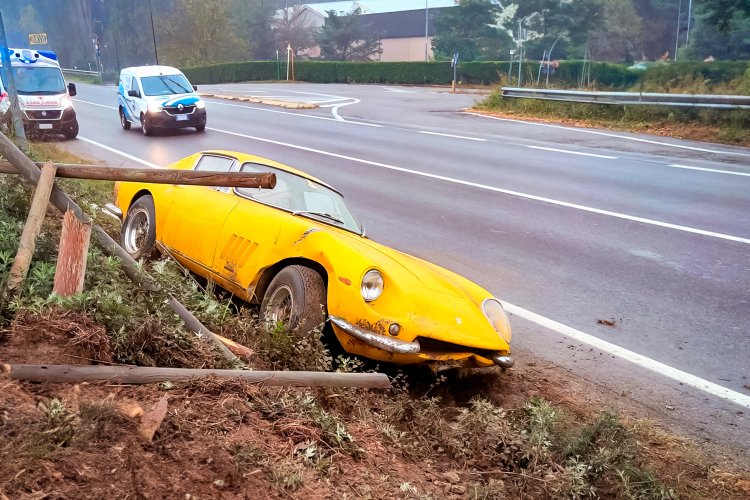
(637, 139)
(121, 153)
(572, 152)
(716, 171)
(567, 331)
(635, 358)
(95, 104)
(451, 135)
(394, 89)
(518, 194)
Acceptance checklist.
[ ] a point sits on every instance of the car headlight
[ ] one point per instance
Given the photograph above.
(154, 107)
(372, 285)
(65, 102)
(200, 104)
(497, 317)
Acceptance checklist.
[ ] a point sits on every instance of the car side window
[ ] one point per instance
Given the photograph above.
(210, 163)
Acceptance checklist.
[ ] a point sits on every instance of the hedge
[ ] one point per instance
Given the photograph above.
(568, 74)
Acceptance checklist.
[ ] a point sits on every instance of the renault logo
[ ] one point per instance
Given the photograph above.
(44, 113)
(180, 107)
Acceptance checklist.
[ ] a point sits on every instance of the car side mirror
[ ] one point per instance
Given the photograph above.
(195, 88)
(72, 89)
(133, 93)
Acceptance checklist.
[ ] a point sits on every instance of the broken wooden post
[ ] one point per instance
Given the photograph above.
(21, 263)
(72, 255)
(149, 375)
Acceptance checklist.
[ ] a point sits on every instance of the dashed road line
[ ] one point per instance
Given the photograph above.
(567, 151)
(451, 135)
(713, 170)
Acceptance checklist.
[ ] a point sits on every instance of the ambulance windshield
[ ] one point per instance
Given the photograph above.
(165, 85)
(39, 80)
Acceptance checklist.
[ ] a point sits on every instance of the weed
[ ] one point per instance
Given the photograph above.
(542, 418)
(286, 476)
(54, 430)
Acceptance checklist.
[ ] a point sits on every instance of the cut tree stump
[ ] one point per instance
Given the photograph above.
(72, 256)
(21, 263)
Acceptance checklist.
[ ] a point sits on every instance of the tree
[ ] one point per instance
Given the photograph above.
(294, 29)
(471, 30)
(618, 36)
(199, 32)
(346, 38)
(253, 22)
(706, 40)
(721, 13)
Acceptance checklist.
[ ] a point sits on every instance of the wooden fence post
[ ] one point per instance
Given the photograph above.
(72, 255)
(21, 263)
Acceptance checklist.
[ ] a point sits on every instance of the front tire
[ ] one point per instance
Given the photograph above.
(124, 121)
(138, 234)
(295, 298)
(200, 128)
(145, 127)
(71, 131)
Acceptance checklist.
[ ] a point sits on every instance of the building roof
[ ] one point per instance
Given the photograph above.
(378, 6)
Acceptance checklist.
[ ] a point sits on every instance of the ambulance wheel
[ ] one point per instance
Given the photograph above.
(200, 128)
(124, 121)
(145, 127)
(71, 131)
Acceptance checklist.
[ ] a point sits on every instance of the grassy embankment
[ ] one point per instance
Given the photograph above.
(488, 435)
(711, 125)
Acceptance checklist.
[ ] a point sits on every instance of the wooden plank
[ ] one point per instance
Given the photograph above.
(72, 255)
(244, 353)
(21, 263)
(148, 375)
(158, 176)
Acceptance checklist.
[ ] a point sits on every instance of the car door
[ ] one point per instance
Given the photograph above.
(132, 104)
(197, 214)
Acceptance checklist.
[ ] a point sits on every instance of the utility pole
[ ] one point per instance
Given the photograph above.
(153, 31)
(7, 72)
(520, 51)
(677, 38)
(426, 31)
(690, 13)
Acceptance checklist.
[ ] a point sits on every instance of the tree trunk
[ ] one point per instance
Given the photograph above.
(72, 256)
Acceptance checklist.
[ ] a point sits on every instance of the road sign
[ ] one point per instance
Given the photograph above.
(37, 38)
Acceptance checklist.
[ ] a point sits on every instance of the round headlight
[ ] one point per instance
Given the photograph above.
(200, 104)
(495, 313)
(372, 285)
(154, 107)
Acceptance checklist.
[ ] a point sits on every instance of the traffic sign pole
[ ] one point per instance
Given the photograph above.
(7, 73)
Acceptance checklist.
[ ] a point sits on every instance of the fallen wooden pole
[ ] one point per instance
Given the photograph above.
(30, 172)
(70, 270)
(148, 375)
(157, 176)
(27, 244)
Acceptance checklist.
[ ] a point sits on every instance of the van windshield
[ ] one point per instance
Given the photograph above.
(39, 81)
(165, 85)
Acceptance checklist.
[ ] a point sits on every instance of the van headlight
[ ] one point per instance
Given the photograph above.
(66, 102)
(200, 104)
(497, 317)
(154, 107)
(372, 285)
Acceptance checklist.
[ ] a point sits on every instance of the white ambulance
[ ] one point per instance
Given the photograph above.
(44, 98)
(158, 97)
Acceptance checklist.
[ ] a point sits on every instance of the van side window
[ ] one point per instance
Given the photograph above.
(209, 163)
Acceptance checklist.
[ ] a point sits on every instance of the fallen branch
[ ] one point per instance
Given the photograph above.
(156, 176)
(148, 375)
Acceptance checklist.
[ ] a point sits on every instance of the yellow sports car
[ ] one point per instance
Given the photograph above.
(300, 253)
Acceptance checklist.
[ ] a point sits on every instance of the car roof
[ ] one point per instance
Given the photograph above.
(151, 70)
(249, 158)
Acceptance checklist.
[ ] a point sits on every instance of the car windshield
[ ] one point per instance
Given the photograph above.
(165, 85)
(39, 81)
(302, 197)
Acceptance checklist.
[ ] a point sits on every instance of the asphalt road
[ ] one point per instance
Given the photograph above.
(575, 226)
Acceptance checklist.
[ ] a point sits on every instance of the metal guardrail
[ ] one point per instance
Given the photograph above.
(80, 72)
(633, 98)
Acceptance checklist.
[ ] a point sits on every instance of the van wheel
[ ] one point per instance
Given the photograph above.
(200, 128)
(296, 298)
(145, 127)
(71, 131)
(124, 121)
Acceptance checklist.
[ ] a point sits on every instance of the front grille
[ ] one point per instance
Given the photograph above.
(432, 345)
(43, 114)
(184, 111)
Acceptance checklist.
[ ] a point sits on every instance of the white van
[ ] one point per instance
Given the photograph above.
(156, 97)
(44, 98)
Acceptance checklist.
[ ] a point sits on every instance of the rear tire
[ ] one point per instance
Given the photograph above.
(138, 234)
(145, 127)
(124, 121)
(296, 297)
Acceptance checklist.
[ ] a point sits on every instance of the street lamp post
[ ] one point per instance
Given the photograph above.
(426, 31)
(153, 32)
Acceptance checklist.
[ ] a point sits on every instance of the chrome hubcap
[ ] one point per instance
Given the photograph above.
(136, 231)
(280, 306)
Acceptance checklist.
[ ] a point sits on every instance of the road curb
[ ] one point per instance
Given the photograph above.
(260, 100)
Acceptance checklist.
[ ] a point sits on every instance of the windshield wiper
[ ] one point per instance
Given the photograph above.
(319, 214)
(184, 90)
